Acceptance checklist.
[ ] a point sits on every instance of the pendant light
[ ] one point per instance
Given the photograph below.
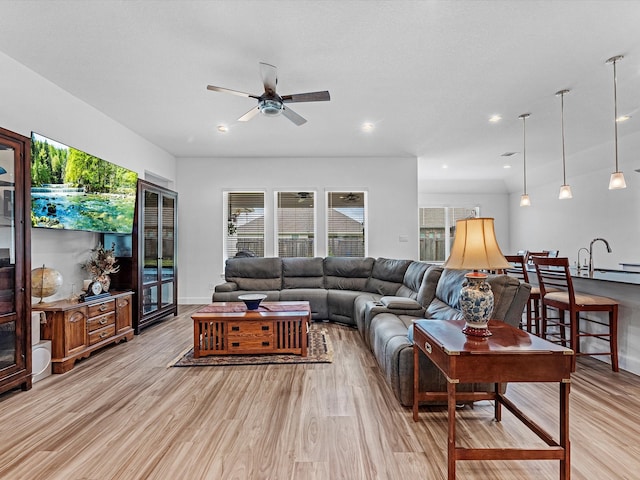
(524, 199)
(617, 177)
(565, 190)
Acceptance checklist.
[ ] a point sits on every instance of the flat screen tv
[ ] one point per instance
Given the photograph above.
(73, 190)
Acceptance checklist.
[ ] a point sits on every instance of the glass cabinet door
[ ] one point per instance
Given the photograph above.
(150, 252)
(168, 249)
(12, 327)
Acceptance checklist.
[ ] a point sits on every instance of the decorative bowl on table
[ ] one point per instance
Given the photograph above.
(252, 300)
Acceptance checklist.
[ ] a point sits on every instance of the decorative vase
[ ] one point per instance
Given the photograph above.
(105, 280)
(476, 303)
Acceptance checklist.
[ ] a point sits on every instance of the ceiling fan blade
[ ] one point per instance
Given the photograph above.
(293, 116)
(233, 92)
(269, 75)
(307, 97)
(249, 115)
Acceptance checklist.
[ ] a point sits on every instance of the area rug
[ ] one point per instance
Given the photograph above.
(319, 350)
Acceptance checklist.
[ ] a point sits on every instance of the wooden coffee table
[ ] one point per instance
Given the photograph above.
(509, 355)
(225, 328)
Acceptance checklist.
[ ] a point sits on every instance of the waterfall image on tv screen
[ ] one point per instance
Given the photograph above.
(73, 190)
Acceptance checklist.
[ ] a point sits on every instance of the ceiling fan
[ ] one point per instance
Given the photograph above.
(270, 104)
(350, 197)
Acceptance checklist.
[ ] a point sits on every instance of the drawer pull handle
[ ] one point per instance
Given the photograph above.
(265, 327)
(427, 347)
(265, 344)
(104, 334)
(235, 344)
(103, 307)
(235, 329)
(103, 321)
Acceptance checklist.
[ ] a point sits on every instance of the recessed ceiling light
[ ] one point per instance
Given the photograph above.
(445, 165)
(368, 127)
(623, 118)
(223, 128)
(506, 165)
(495, 118)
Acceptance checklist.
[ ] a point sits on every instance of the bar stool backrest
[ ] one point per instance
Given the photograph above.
(554, 276)
(518, 268)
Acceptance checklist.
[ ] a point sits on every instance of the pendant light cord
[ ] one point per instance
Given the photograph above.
(564, 168)
(615, 109)
(524, 150)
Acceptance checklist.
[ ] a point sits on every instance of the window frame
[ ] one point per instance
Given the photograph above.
(448, 239)
(365, 206)
(276, 220)
(226, 218)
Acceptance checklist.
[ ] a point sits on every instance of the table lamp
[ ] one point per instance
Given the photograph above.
(475, 248)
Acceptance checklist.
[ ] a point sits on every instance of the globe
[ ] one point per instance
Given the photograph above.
(45, 282)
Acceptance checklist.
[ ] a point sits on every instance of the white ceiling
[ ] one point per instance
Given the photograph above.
(428, 74)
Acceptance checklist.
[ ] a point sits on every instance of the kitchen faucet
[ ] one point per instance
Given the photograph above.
(579, 250)
(591, 252)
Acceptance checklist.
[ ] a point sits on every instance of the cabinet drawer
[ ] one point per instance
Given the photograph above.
(249, 328)
(102, 321)
(251, 344)
(102, 334)
(102, 307)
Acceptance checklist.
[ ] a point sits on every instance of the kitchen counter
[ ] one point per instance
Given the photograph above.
(604, 274)
(609, 275)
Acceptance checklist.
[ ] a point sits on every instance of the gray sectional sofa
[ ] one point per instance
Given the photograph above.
(380, 297)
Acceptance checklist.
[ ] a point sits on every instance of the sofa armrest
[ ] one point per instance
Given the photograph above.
(227, 287)
(400, 303)
(375, 308)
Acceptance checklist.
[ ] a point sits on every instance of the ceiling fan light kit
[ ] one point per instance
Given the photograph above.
(270, 104)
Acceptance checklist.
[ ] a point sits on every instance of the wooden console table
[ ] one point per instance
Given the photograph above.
(509, 355)
(78, 328)
(225, 328)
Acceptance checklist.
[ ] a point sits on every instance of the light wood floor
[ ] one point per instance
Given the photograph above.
(122, 414)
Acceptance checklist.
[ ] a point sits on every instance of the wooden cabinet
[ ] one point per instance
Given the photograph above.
(152, 271)
(76, 329)
(15, 265)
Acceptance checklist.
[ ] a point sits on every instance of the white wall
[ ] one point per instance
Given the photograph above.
(392, 206)
(567, 225)
(491, 205)
(29, 102)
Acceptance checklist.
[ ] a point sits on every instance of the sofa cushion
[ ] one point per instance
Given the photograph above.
(272, 295)
(341, 304)
(412, 280)
(438, 309)
(509, 296)
(386, 276)
(317, 298)
(301, 272)
(449, 286)
(255, 273)
(427, 291)
(347, 273)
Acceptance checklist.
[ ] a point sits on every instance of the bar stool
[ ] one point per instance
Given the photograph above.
(519, 271)
(556, 290)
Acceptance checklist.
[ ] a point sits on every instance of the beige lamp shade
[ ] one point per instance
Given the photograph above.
(475, 247)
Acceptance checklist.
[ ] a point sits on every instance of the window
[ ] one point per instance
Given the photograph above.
(245, 224)
(295, 214)
(437, 230)
(346, 216)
